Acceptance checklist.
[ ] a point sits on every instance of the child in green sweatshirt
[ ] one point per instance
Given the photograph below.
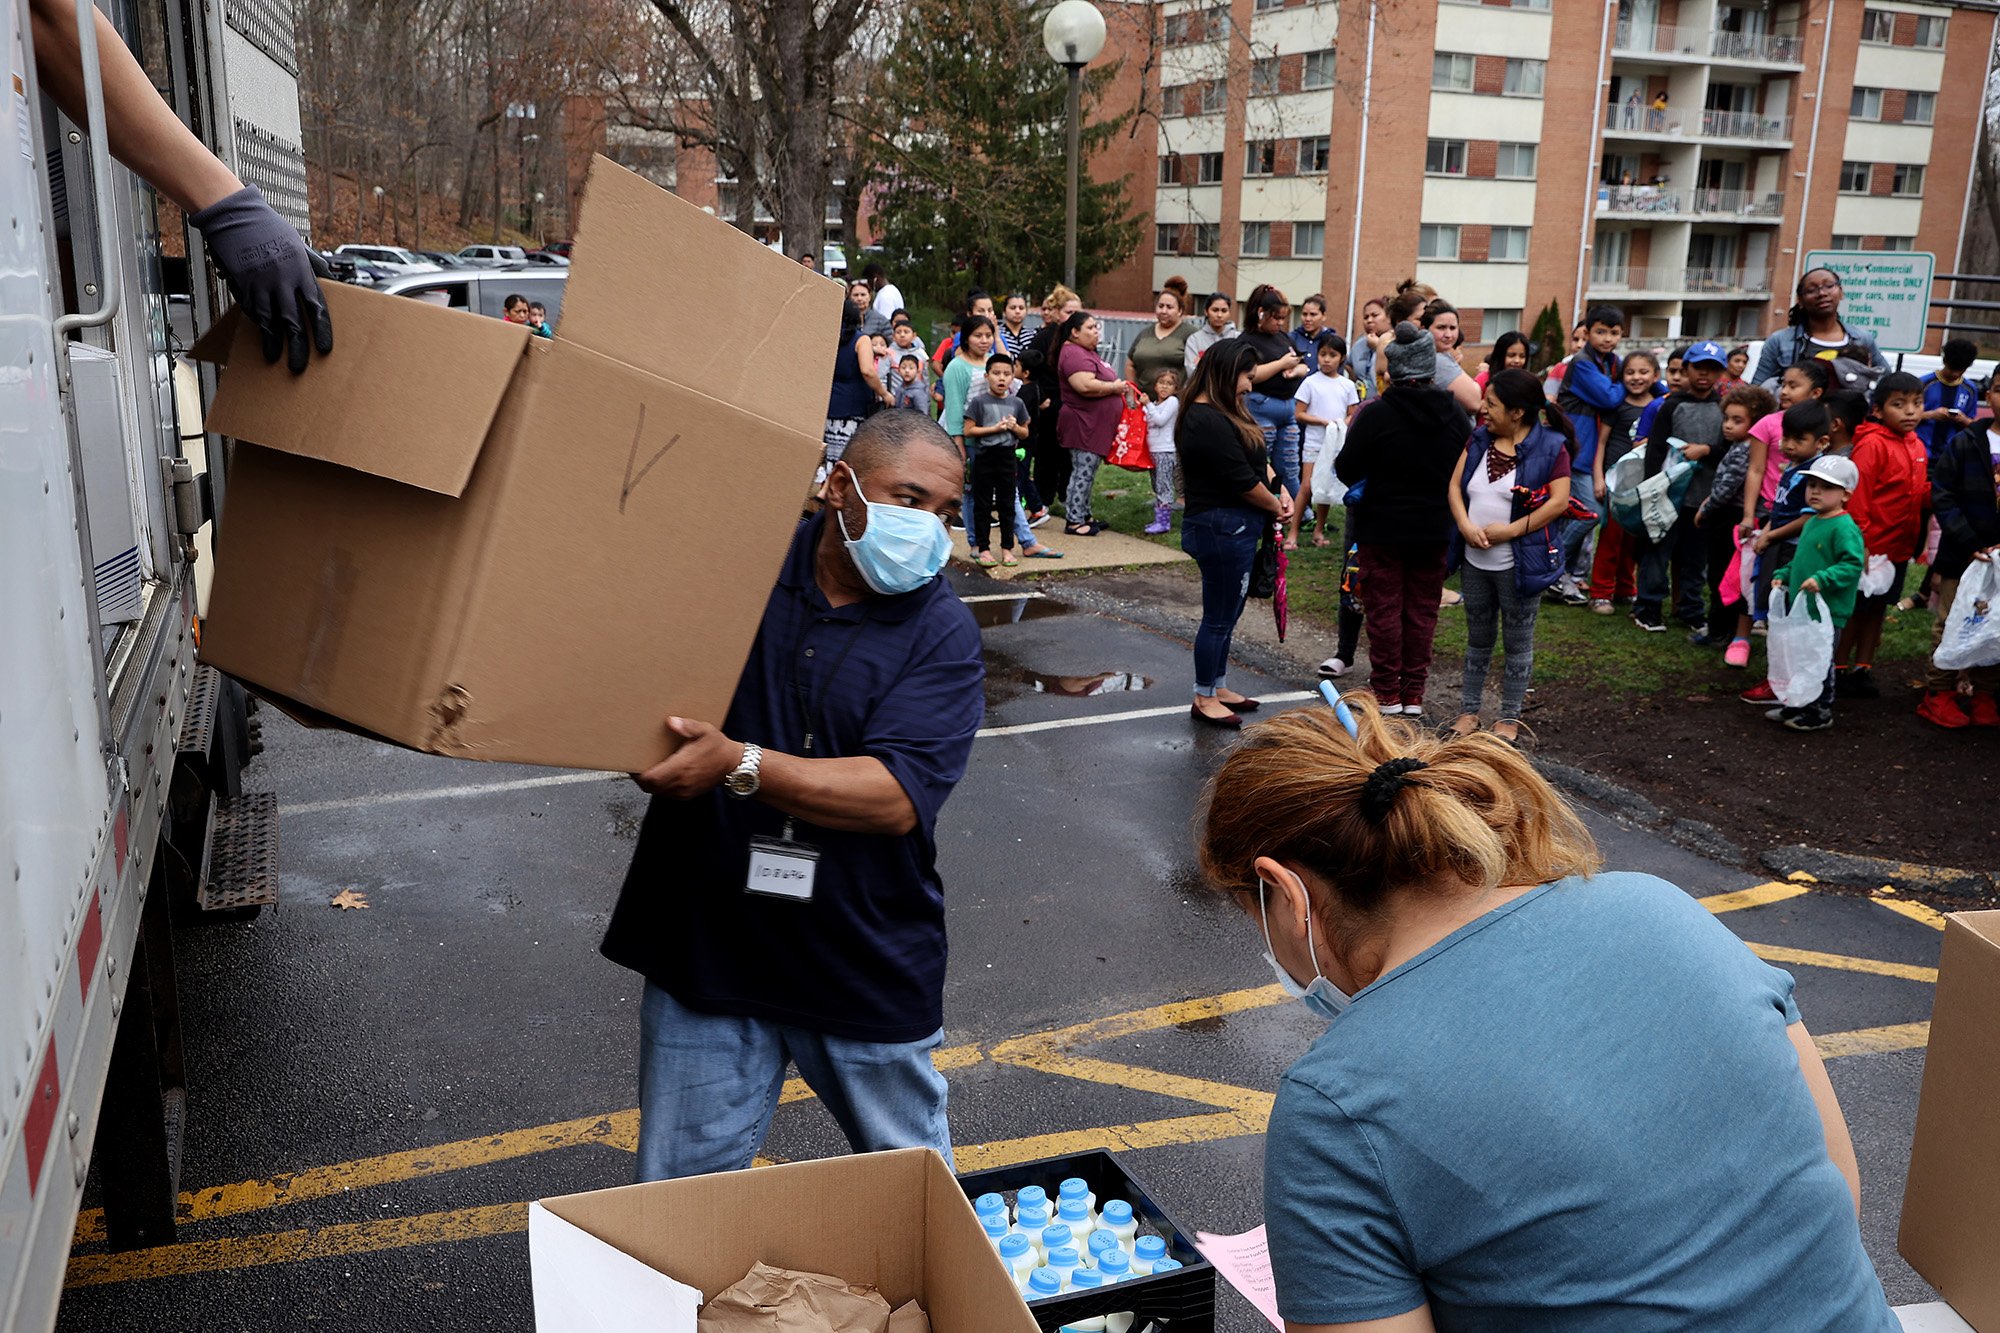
(1827, 565)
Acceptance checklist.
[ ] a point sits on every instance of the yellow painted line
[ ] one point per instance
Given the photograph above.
(1223, 1095)
(284, 1247)
(1757, 895)
(1161, 1016)
(1927, 916)
(1116, 1138)
(1874, 1041)
(1775, 953)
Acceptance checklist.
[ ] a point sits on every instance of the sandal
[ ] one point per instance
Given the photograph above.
(1043, 553)
(1009, 559)
(986, 560)
(1089, 528)
(1291, 543)
(1455, 732)
(1513, 740)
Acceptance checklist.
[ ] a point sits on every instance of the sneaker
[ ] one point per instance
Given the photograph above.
(1806, 719)
(1038, 518)
(1778, 714)
(1696, 624)
(1737, 654)
(1760, 628)
(1333, 667)
(1413, 713)
(1574, 595)
(1601, 606)
(1648, 618)
(1940, 708)
(1858, 683)
(1390, 710)
(1760, 693)
(1985, 712)
(1701, 638)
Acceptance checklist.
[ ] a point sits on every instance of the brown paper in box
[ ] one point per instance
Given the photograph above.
(482, 544)
(786, 1300)
(1951, 1205)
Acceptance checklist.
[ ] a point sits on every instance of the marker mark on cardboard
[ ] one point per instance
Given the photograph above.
(633, 479)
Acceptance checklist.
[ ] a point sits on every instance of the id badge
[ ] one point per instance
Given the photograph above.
(781, 868)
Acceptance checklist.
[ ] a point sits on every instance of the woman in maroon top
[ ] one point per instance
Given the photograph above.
(1092, 401)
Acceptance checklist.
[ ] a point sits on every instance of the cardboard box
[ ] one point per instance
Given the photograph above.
(633, 1258)
(483, 544)
(1951, 1205)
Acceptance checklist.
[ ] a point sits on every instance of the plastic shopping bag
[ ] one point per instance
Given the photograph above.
(1328, 489)
(1876, 576)
(1740, 577)
(1799, 647)
(1649, 505)
(1972, 634)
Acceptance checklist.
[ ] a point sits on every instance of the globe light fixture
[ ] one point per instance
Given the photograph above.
(1073, 35)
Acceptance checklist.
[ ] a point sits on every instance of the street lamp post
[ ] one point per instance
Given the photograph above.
(1073, 34)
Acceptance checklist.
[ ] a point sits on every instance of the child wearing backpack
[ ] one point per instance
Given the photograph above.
(1965, 496)
(1891, 503)
(1827, 566)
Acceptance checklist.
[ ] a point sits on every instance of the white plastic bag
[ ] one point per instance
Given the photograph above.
(1972, 634)
(1328, 489)
(1799, 647)
(1876, 576)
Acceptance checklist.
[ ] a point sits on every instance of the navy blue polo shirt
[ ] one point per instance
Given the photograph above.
(899, 679)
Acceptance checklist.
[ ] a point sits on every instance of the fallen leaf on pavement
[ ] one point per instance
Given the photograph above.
(348, 899)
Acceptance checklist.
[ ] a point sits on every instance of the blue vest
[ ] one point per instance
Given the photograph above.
(1538, 558)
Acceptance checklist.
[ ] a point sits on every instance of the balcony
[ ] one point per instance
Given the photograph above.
(1746, 127)
(1700, 45)
(1665, 204)
(1678, 282)
(1678, 125)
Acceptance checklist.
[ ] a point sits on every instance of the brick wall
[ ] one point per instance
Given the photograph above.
(1812, 211)
(1482, 158)
(1489, 74)
(1281, 240)
(1475, 242)
(1132, 31)
(1287, 163)
(1882, 179)
(1894, 101)
(1567, 164)
(1291, 72)
(1941, 227)
(1471, 324)
(1906, 30)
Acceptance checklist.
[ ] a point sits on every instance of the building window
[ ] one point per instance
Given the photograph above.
(1498, 320)
(1207, 238)
(1214, 97)
(1314, 153)
(1899, 242)
(1515, 161)
(1844, 242)
(1919, 108)
(1264, 76)
(1444, 157)
(1930, 31)
(1437, 241)
(1170, 168)
(1878, 25)
(1260, 157)
(1908, 181)
(1256, 240)
(1308, 240)
(1175, 32)
(1509, 245)
(1854, 177)
(1166, 238)
(1263, 5)
(1319, 70)
(1451, 73)
(1524, 78)
(1208, 168)
(1865, 105)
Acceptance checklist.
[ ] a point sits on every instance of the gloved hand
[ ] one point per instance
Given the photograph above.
(271, 273)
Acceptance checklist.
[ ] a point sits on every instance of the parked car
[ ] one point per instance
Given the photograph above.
(543, 259)
(443, 259)
(833, 261)
(393, 258)
(562, 248)
(484, 291)
(343, 266)
(487, 256)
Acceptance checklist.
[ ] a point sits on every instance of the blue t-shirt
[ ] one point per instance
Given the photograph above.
(1960, 397)
(1580, 1111)
(1789, 501)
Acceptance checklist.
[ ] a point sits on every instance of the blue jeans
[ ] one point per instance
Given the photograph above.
(708, 1084)
(1281, 436)
(1223, 543)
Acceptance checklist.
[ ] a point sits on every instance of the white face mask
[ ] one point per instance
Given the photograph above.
(1321, 996)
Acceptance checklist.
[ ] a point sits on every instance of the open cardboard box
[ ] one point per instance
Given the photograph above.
(643, 1257)
(1951, 1204)
(475, 542)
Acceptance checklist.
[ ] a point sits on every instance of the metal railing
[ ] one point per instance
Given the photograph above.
(1662, 39)
(1638, 200)
(1725, 281)
(1699, 43)
(1735, 126)
(1763, 48)
(1737, 203)
(1686, 281)
(1657, 200)
(1745, 125)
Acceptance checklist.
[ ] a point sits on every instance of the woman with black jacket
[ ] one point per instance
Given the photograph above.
(1232, 502)
(1048, 459)
(1404, 450)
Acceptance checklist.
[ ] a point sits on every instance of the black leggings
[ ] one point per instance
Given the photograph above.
(992, 490)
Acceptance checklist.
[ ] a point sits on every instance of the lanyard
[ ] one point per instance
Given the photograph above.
(809, 704)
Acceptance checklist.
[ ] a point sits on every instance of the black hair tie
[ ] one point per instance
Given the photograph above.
(1378, 794)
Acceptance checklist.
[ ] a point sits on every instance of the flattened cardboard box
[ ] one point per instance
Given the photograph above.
(642, 1257)
(478, 543)
(1951, 1205)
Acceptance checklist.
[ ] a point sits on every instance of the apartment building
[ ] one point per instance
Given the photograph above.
(1678, 157)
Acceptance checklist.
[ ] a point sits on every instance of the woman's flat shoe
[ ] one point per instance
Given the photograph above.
(1240, 705)
(1090, 529)
(1233, 721)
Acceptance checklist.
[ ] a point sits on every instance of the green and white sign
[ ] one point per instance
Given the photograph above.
(1886, 292)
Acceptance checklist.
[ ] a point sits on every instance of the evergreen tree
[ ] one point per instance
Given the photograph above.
(1550, 339)
(968, 121)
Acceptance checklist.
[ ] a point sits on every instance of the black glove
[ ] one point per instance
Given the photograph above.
(271, 273)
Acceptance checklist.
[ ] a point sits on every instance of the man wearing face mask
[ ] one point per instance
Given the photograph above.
(783, 903)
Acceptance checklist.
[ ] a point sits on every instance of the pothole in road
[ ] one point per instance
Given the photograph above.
(1083, 687)
(1011, 610)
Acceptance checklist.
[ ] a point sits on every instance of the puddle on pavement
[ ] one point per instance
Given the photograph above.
(1008, 610)
(1084, 687)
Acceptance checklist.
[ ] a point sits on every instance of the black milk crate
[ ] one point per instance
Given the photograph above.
(1181, 1301)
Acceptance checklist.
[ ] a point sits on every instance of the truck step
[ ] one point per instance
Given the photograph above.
(240, 866)
(198, 725)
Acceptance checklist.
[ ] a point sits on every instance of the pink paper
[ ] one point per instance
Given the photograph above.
(1245, 1263)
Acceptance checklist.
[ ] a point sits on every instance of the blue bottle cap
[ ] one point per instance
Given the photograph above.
(1166, 1265)
(987, 1202)
(1043, 1282)
(1074, 1188)
(1086, 1277)
(1101, 1241)
(994, 1224)
(1056, 1235)
(1073, 1210)
(1013, 1247)
(1150, 1247)
(1117, 1213)
(1030, 1195)
(1034, 1217)
(1114, 1265)
(1064, 1257)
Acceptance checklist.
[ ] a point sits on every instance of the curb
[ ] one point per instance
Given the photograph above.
(1704, 839)
(1872, 872)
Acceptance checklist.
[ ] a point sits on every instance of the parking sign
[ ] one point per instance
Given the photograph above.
(1886, 292)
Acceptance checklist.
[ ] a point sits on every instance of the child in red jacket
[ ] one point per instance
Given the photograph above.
(1892, 505)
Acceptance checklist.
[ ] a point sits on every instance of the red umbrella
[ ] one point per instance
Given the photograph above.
(1279, 609)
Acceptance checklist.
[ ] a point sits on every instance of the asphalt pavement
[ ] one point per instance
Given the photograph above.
(375, 1093)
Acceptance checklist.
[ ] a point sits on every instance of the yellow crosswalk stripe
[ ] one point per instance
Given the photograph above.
(1758, 895)
(1874, 1041)
(1776, 953)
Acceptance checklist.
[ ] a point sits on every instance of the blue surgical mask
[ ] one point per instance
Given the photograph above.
(1320, 996)
(901, 550)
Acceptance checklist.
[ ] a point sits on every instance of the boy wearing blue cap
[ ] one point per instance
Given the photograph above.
(1693, 415)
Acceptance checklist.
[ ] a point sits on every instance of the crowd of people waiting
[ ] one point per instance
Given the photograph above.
(1821, 472)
